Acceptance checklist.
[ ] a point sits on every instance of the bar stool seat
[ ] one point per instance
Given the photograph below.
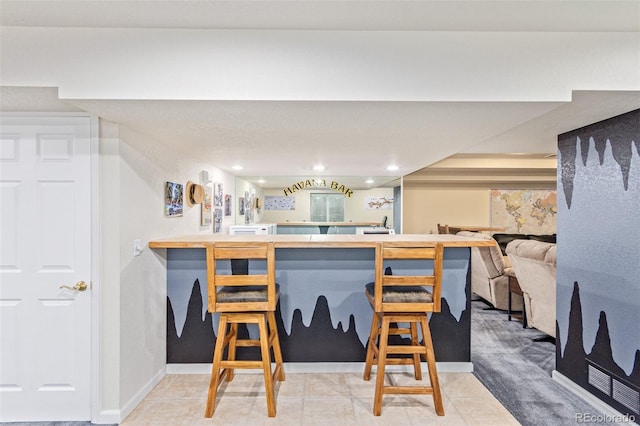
(399, 300)
(244, 299)
(402, 294)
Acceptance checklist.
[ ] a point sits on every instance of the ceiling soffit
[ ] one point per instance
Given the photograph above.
(488, 171)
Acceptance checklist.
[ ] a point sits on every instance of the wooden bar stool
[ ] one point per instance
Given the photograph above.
(248, 299)
(404, 299)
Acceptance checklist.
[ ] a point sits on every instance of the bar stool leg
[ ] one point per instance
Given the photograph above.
(417, 370)
(277, 353)
(371, 343)
(266, 365)
(382, 359)
(431, 363)
(231, 352)
(215, 368)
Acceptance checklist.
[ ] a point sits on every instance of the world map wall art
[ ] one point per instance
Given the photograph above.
(524, 211)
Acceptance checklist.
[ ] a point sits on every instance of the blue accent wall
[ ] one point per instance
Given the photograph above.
(598, 274)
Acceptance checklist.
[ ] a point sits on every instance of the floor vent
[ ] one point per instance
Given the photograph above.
(626, 396)
(615, 387)
(599, 380)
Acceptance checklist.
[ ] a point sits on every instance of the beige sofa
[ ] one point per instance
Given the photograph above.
(488, 274)
(534, 263)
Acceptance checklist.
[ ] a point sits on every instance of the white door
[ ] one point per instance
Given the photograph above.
(45, 234)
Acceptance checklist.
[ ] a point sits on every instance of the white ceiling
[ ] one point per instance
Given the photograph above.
(413, 15)
(355, 139)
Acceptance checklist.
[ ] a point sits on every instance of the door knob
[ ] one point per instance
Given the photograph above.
(80, 286)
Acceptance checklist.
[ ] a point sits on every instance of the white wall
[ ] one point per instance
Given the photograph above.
(134, 170)
(109, 199)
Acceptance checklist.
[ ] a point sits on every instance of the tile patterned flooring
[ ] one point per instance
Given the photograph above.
(317, 399)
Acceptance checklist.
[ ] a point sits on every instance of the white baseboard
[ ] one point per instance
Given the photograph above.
(578, 390)
(323, 367)
(140, 395)
(107, 417)
(193, 369)
(454, 367)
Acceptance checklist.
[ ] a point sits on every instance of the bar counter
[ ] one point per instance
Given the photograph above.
(316, 240)
(323, 315)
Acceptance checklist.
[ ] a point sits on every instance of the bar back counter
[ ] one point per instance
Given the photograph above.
(322, 227)
(323, 317)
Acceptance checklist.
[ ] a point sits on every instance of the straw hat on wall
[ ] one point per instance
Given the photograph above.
(194, 193)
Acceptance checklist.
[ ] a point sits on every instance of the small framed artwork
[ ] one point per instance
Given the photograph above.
(227, 205)
(173, 199)
(378, 203)
(272, 202)
(217, 220)
(218, 195)
(205, 213)
(241, 206)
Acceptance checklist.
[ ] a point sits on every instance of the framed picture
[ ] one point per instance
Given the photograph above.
(241, 206)
(378, 203)
(205, 213)
(217, 220)
(218, 195)
(524, 211)
(227, 205)
(272, 202)
(173, 199)
(248, 207)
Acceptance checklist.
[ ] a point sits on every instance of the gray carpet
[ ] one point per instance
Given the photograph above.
(517, 370)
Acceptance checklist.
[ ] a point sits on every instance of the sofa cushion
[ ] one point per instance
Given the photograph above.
(491, 256)
(533, 249)
(504, 239)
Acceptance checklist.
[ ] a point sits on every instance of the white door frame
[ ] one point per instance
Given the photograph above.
(97, 415)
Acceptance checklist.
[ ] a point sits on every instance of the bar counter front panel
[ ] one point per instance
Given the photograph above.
(323, 314)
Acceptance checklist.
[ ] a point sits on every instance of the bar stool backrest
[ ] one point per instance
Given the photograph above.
(242, 293)
(403, 285)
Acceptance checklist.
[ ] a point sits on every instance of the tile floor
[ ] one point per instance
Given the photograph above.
(317, 399)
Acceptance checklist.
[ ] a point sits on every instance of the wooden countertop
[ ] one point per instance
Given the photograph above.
(318, 241)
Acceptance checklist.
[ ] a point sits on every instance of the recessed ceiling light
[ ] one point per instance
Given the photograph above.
(261, 181)
(392, 168)
(237, 167)
(369, 181)
(319, 167)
